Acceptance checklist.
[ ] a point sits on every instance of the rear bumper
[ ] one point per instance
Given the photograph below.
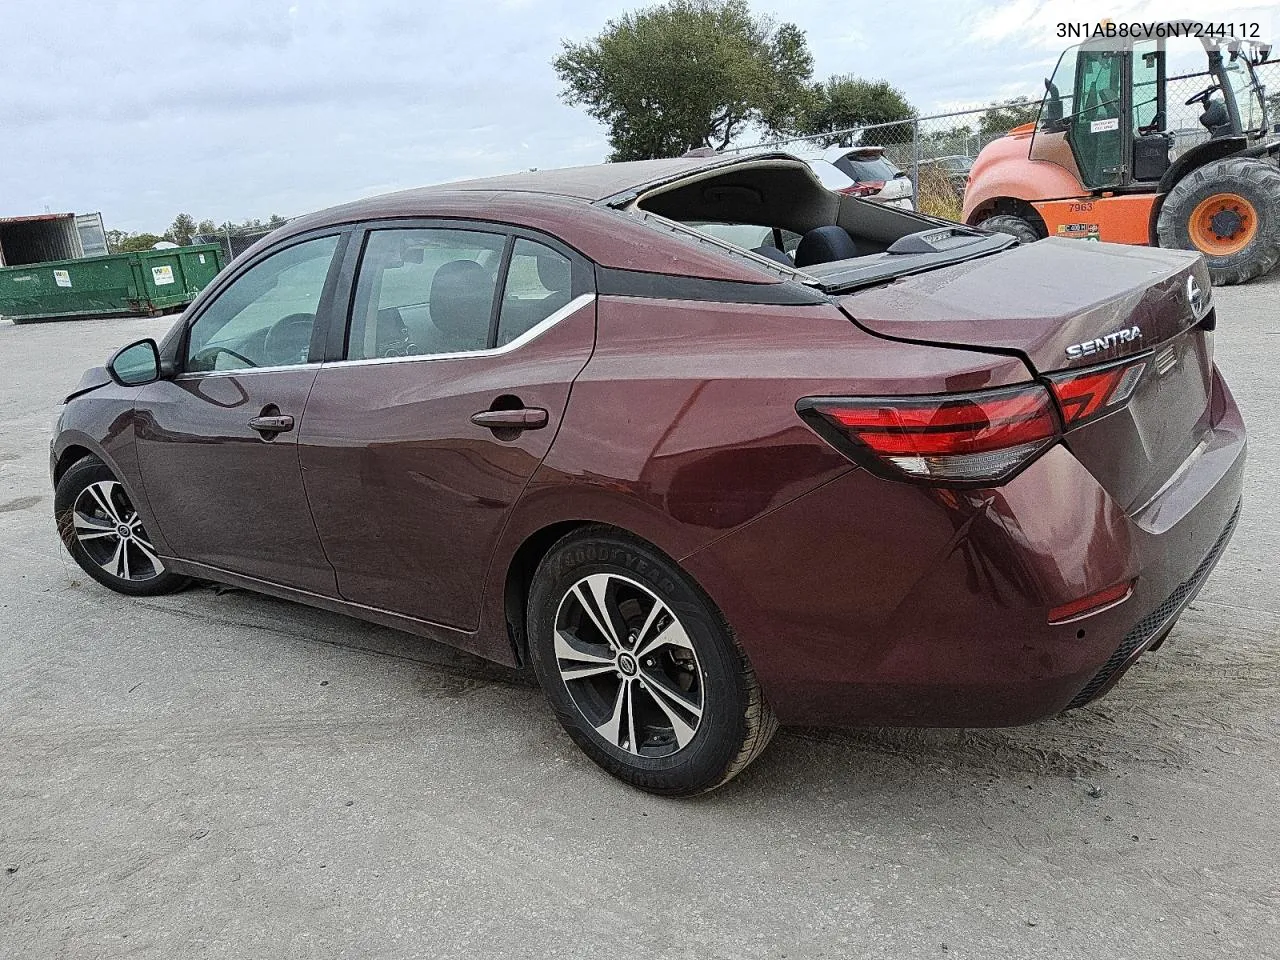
(870, 601)
(1155, 625)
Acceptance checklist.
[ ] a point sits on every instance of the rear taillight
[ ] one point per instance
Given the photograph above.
(951, 439)
(1083, 395)
(868, 188)
(980, 438)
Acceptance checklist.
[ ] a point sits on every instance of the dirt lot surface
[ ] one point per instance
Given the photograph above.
(226, 775)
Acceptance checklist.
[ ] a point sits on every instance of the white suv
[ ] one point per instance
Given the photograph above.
(871, 175)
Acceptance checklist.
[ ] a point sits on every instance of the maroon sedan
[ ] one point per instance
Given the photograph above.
(898, 471)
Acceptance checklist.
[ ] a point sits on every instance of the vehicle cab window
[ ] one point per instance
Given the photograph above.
(1095, 128)
(265, 318)
(424, 292)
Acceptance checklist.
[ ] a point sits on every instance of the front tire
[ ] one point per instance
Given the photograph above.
(640, 668)
(1227, 211)
(104, 534)
(1014, 226)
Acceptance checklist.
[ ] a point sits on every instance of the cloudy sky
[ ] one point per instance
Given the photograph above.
(244, 108)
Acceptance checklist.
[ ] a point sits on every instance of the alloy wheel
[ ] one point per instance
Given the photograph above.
(110, 532)
(629, 666)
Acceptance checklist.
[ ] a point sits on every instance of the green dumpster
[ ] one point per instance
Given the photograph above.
(147, 283)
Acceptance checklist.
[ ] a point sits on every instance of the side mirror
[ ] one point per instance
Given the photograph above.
(1052, 107)
(136, 364)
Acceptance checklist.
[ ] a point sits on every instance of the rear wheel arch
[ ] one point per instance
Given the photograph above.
(524, 564)
(520, 570)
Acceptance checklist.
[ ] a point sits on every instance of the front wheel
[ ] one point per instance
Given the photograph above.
(641, 670)
(104, 534)
(1013, 226)
(1227, 211)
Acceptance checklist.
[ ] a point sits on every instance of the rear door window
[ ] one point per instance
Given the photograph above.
(539, 282)
(424, 292)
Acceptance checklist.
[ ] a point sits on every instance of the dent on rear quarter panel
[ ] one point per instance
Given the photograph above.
(683, 427)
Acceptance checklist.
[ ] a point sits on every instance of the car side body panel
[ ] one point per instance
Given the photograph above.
(931, 608)
(683, 427)
(409, 495)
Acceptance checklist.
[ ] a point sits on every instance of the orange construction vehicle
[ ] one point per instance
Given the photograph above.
(1103, 160)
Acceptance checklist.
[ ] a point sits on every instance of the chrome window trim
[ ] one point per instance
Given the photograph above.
(242, 371)
(537, 330)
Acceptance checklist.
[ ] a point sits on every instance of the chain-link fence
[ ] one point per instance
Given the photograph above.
(936, 151)
(234, 241)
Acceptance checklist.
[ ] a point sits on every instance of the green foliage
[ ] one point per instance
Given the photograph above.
(132, 242)
(936, 195)
(686, 74)
(949, 141)
(251, 226)
(842, 102)
(1273, 109)
(181, 230)
(184, 230)
(1003, 116)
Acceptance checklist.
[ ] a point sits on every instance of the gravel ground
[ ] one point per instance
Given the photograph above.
(227, 775)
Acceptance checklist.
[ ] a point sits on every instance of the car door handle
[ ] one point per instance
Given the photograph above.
(525, 418)
(273, 425)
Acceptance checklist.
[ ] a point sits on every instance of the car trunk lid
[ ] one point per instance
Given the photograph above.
(1066, 305)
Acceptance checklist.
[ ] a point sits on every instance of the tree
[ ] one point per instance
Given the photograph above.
(842, 102)
(1003, 116)
(948, 141)
(1273, 108)
(181, 230)
(686, 74)
(133, 242)
(205, 228)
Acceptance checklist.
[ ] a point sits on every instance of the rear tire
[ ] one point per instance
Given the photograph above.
(1012, 225)
(1229, 211)
(104, 534)
(640, 668)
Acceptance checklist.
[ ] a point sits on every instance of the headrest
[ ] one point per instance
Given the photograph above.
(461, 298)
(553, 272)
(825, 245)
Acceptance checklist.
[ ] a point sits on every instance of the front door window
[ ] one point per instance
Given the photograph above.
(265, 318)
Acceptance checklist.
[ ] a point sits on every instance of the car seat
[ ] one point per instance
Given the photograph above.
(770, 252)
(460, 304)
(391, 336)
(825, 245)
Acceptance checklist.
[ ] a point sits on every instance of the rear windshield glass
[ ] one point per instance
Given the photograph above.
(871, 168)
(746, 235)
